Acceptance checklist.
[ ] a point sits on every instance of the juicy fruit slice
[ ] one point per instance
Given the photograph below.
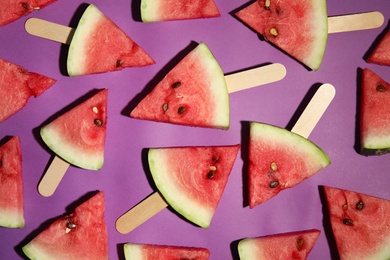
(167, 10)
(299, 28)
(375, 114)
(78, 136)
(12, 10)
(99, 45)
(192, 179)
(293, 245)
(381, 53)
(193, 93)
(81, 235)
(11, 185)
(17, 85)
(151, 252)
(360, 224)
(278, 160)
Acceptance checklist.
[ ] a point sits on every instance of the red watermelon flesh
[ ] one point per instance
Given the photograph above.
(78, 136)
(162, 252)
(12, 10)
(192, 179)
(381, 53)
(278, 160)
(375, 114)
(81, 235)
(168, 10)
(17, 85)
(193, 93)
(99, 45)
(299, 28)
(360, 224)
(11, 184)
(293, 245)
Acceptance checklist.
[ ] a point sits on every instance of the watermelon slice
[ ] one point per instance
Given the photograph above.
(152, 252)
(17, 85)
(11, 184)
(299, 28)
(168, 10)
(360, 224)
(99, 45)
(192, 179)
(381, 53)
(78, 136)
(278, 160)
(81, 235)
(12, 10)
(193, 93)
(375, 114)
(293, 245)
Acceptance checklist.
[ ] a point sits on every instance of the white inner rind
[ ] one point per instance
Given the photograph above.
(11, 219)
(148, 10)
(249, 249)
(133, 251)
(376, 142)
(35, 252)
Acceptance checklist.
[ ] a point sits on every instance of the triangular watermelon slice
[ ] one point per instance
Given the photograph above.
(299, 28)
(168, 10)
(193, 93)
(78, 136)
(17, 85)
(99, 45)
(81, 235)
(292, 245)
(381, 53)
(192, 179)
(12, 10)
(375, 114)
(11, 184)
(360, 224)
(153, 252)
(278, 160)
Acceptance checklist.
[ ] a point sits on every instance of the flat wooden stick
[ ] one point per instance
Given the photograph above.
(355, 22)
(48, 30)
(52, 177)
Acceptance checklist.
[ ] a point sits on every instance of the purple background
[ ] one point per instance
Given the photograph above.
(125, 179)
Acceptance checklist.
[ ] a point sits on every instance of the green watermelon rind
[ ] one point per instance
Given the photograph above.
(11, 219)
(148, 13)
(132, 251)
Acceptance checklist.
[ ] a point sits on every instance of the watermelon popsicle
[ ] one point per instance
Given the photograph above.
(154, 203)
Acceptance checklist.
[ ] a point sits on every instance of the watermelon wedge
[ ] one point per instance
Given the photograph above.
(11, 184)
(78, 136)
(360, 224)
(192, 179)
(152, 252)
(81, 235)
(17, 85)
(293, 245)
(299, 28)
(168, 10)
(381, 53)
(12, 10)
(278, 160)
(99, 45)
(375, 114)
(193, 93)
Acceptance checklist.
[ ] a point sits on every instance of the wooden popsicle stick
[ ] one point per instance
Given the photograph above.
(52, 177)
(355, 22)
(155, 202)
(48, 30)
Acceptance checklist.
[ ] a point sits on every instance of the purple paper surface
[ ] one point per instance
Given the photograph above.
(124, 177)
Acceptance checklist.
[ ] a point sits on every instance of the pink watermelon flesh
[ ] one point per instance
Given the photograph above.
(12, 10)
(78, 135)
(193, 93)
(168, 10)
(299, 28)
(375, 114)
(99, 45)
(278, 160)
(17, 85)
(192, 179)
(162, 252)
(293, 245)
(360, 224)
(381, 53)
(11, 184)
(81, 235)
